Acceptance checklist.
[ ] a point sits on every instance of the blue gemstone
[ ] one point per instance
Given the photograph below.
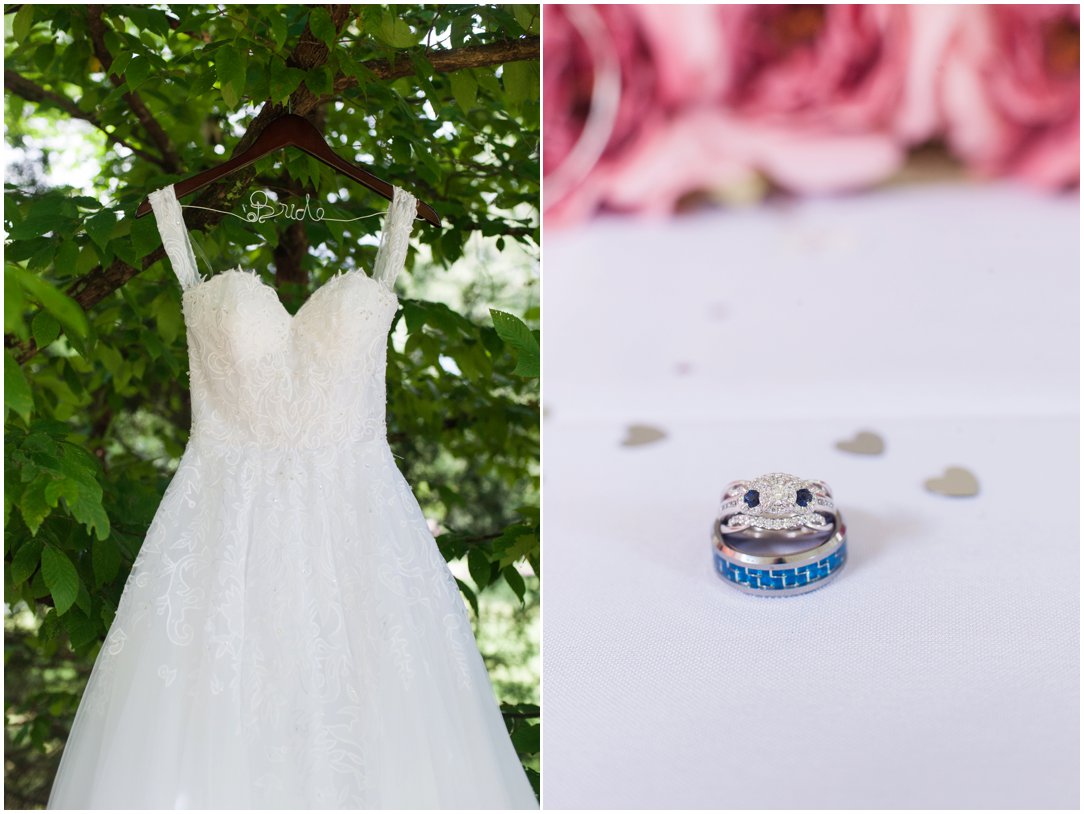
(805, 497)
(752, 498)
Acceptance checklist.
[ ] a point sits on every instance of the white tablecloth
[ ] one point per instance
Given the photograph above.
(942, 668)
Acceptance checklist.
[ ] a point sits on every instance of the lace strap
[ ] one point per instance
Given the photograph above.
(395, 239)
(167, 213)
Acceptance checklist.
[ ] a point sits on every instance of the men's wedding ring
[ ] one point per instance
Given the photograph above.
(778, 535)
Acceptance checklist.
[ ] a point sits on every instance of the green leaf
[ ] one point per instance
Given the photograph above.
(120, 63)
(43, 258)
(145, 237)
(351, 67)
(155, 20)
(106, 560)
(395, 32)
(44, 328)
(464, 89)
(34, 227)
(12, 490)
(81, 630)
(520, 82)
(322, 27)
(278, 28)
(83, 600)
(64, 471)
(26, 559)
(50, 626)
(320, 80)
(468, 592)
(57, 303)
(14, 303)
(414, 314)
(100, 227)
(527, 16)
(33, 505)
(521, 340)
(527, 739)
(86, 507)
(43, 56)
(86, 202)
(60, 577)
(17, 395)
(65, 258)
(515, 581)
(516, 545)
(284, 81)
(167, 316)
(23, 22)
(137, 72)
(479, 567)
(230, 65)
(230, 95)
(88, 259)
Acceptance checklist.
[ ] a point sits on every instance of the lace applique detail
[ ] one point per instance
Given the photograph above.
(175, 239)
(395, 240)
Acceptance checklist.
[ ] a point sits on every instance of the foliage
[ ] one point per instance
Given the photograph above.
(441, 100)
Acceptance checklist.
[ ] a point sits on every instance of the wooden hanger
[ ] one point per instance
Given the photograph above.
(290, 130)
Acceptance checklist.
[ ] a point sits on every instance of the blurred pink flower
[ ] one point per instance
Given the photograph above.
(580, 45)
(1011, 92)
(836, 94)
(816, 98)
(714, 101)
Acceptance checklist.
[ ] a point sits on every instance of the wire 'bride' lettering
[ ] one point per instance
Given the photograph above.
(262, 207)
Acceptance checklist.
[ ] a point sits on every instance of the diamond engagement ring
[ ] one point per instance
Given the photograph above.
(776, 501)
(778, 535)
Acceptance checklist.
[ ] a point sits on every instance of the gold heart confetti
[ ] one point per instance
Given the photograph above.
(864, 443)
(956, 482)
(637, 435)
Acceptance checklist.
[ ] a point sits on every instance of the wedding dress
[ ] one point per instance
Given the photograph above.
(289, 636)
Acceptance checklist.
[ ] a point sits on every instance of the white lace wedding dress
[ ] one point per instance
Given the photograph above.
(289, 636)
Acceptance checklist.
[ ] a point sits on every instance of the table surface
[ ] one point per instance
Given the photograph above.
(941, 669)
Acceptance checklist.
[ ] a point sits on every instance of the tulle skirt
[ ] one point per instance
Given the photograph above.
(289, 637)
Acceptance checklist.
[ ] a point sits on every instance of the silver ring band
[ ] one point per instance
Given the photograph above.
(780, 575)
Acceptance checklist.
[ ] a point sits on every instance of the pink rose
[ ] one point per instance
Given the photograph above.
(587, 48)
(1011, 92)
(816, 98)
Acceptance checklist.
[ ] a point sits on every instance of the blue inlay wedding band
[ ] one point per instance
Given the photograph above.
(778, 535)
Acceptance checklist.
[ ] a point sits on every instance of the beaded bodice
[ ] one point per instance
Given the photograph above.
(261, 376)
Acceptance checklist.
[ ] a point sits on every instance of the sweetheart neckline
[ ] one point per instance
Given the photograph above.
(261, 283)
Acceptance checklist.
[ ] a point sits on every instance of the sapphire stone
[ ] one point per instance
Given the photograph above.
(805, 497)
(752, 498)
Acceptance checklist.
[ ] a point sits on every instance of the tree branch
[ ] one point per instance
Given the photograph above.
(506, 231)
(96, 27)
(474, 539)
(32, 92)
(99, 282)
(447, 61)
